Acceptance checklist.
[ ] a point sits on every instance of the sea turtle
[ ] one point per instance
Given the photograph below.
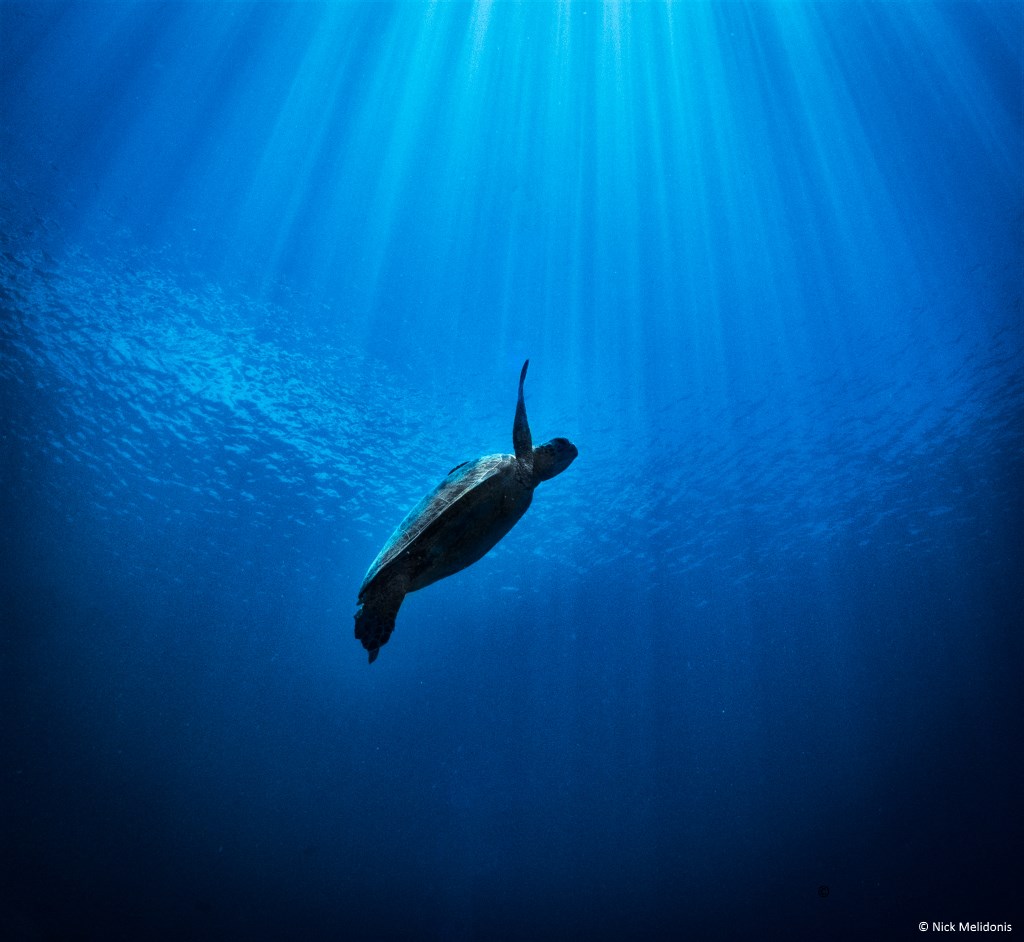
(455, 524)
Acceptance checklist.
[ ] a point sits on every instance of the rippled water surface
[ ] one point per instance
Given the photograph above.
(748, 668)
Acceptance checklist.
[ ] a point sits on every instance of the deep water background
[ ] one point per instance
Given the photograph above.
(270, 270)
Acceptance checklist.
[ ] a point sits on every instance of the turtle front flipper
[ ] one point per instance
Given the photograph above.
(522, 440)
(375, 617)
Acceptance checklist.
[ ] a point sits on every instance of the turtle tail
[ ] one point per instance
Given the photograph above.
(375, 617)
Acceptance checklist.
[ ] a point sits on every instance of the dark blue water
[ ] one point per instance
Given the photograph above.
(750, 668)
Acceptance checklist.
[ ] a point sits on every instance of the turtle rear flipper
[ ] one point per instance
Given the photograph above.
(375, 617)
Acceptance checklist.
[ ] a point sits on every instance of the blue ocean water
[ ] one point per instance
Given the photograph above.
(749, 668)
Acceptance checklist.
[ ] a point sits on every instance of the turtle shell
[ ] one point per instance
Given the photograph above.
(459, 494)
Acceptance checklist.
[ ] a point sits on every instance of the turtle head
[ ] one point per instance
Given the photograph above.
(552, 458)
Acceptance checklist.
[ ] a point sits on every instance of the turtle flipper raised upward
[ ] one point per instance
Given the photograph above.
(522, 440)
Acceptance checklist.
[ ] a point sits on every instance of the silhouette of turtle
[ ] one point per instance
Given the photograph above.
(456, 524)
